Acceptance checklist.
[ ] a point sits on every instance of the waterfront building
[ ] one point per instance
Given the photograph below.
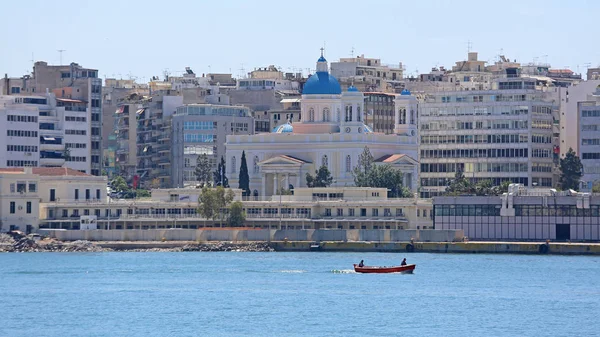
(70, 82)
(330, 132)
(44, 131)
(308, 208)
(23, 191)
(509, 133)
(368, 74)
(522, 214)
(202, 129)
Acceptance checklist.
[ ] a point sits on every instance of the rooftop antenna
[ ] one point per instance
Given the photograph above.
(32, 59)
(352, 52)
(469, 45)
(242, 71)
(60, 51)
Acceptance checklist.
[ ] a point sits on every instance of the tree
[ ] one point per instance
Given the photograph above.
(244, 178)
(213, 200)
(203, 169)
(367, 174)
(460, 184)
(119, 184)
(570, 171)
(220, 177)
(361, 171)
(596, 187)
(140, 193)
(236, 214)
(322, 178)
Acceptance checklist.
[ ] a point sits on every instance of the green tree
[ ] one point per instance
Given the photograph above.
(220, 174)
(503, 188)
(236, 214)
(203, 170)
(570, 171)
(119, 184)
(460, 184)
(244, 178)
(213, 201)
(596, 187)
(363, 168)
(140, 193)
(322, 178)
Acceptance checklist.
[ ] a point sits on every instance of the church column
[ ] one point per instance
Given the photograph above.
(264, 184)
(297, 180)
(397, 117)
(274, 183)
(287, 181)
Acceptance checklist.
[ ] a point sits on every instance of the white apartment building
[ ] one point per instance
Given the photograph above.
(588, 140)
(504, 134)
(368, 74)
(43, 131)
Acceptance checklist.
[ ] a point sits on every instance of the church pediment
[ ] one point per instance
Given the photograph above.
(283, 160)
(397, 160)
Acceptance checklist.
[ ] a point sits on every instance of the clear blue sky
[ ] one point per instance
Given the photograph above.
(143, 38)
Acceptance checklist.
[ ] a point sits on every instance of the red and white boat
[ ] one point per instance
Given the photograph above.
(408, 269)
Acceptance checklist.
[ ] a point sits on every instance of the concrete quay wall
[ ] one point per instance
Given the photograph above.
(246, 235)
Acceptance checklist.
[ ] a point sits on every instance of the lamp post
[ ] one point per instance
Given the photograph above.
(280, 203)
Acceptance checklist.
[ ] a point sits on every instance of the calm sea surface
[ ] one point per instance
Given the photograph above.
(296, 294)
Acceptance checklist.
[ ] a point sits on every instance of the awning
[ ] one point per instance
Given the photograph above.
(290, 100)
(140, 111)
(120, 110)
(49, 138)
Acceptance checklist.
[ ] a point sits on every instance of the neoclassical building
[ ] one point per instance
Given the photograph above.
(331, 132)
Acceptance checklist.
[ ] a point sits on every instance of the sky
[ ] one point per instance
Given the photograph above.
(141, 39)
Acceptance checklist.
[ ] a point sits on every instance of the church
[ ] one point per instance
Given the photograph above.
(330, 132)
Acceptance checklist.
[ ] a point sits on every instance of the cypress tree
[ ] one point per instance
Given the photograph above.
(244, 178)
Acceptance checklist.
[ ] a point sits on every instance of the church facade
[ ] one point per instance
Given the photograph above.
(330, 132)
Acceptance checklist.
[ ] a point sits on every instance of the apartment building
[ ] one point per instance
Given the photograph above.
(588, 139)
(202, 129)
(509, 133)
(368, 74)
(44, 131)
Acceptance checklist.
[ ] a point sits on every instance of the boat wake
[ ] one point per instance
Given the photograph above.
(343, 271)
(293, 271)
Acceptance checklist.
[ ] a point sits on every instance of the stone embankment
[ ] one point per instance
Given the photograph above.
(18, 242)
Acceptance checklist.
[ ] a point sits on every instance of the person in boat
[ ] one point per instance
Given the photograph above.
(403, 262)
(361, 264)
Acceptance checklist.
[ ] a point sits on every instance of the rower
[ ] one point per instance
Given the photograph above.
(361, 264)
(403, 262)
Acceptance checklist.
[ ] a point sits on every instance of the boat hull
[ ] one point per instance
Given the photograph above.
(408, 269)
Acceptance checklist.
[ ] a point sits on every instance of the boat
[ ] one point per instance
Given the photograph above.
(408, 269)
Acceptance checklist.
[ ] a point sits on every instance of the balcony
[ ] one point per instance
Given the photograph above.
(52, 162)
(51, 147)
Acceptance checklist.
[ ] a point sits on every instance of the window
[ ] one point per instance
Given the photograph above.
(98, 194)
(12, 207)
(326, 114)
(76, 194)
(348, 163)
(340, 212)
(350, 211)
(29, 207)
(327, 211)
(311, 115)
(424, 213)
(87, 194)
(387, 212)
(418, 213)
(233, 164)
(375, 212)
(324, 161)
(65, 213)
(21, 186)
(399, 212)
(52, 194)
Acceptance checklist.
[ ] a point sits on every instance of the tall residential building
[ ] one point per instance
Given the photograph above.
(380, 111)
(202, 129)
(113, 92)
(504, 134)
(68, 82)
(143, 138)
(44, 131)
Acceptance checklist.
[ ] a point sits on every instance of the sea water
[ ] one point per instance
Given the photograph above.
(296, 294)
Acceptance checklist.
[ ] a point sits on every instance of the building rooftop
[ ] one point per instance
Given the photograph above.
(45, 171)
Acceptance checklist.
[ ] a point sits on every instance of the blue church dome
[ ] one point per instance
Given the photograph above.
(321, 83)
(405, 92)
(283, 128)
(352, 89)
